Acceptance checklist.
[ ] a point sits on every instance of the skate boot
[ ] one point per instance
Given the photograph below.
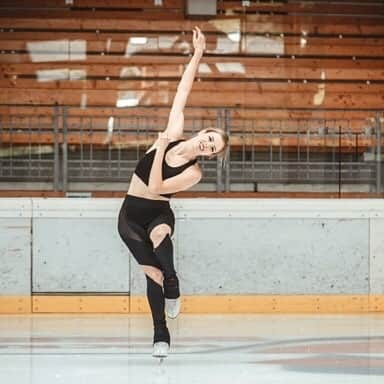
(172, 296)
(160, 350)
(172, 307)
(161, 342)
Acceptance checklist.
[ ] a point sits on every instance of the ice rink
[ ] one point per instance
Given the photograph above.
(347, 349)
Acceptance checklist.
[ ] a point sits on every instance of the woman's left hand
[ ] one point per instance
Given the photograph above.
(198, 39)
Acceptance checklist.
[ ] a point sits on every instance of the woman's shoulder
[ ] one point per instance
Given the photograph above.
(172, 143)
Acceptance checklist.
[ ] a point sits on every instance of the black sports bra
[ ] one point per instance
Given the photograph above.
(144, 166)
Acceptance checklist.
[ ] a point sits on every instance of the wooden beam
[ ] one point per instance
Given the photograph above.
(75, 97)
(90, 4)
(352, 59)
(206, 85)
(129, 122)
(313, 25)
(220, 68)
(112, 45)
(116, 43)
(33, 126)
(302, 8)
(189, 112)
(297, 7)
(132, 140)
(89, 14)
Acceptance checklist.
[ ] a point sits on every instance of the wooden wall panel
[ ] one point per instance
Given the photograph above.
(337, 75)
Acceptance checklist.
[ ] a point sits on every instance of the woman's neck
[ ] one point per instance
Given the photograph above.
(186, 150)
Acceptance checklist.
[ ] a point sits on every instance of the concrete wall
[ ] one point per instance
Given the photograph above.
(15, 246)
(222, 246)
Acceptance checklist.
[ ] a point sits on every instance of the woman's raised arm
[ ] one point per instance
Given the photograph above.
(175, 125)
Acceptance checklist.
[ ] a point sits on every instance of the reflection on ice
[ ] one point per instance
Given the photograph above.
(160, 373)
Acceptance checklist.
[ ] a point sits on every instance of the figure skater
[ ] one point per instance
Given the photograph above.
(146, 221)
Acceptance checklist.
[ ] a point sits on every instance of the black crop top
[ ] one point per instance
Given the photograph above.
(144, 166)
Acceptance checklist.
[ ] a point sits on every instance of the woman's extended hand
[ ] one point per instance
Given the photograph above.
(162, 141)
(198, 39)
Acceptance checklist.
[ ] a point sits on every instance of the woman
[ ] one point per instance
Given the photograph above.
(146, 221)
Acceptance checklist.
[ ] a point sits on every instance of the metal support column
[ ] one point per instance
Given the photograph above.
(227, 129)
(219, 168)
(378, 154)
(56, 154)
(65, 151)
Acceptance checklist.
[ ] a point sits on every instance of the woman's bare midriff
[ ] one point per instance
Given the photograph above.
(139, 189)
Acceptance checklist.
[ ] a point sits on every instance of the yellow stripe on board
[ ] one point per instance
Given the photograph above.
(272, 304)
(15, 304)
(196, 304)
(80, 304)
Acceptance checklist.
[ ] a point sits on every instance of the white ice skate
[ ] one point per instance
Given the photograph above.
(160, 350)
(172, 307)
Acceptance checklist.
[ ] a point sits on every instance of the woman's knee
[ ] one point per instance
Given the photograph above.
(158, 234)
(154, 274)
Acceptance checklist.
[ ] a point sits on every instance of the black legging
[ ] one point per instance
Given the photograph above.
(137, 218)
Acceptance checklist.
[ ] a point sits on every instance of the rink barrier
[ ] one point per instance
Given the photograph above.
(196, 304)
(296, 255)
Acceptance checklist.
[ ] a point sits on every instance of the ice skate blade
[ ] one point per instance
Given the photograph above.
(160, 350)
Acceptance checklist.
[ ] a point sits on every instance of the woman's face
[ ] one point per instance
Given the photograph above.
(209, 143)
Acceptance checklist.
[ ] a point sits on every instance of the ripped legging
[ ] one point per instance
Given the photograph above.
(137, 218)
